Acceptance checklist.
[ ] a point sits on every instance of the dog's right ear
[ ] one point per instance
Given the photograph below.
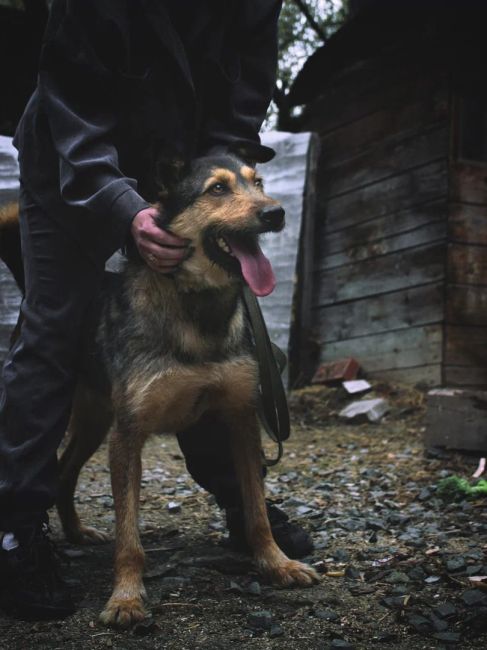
(169, 173)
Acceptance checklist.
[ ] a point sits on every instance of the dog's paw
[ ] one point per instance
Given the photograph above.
(291, 573)
(123, 612)
(87, 535)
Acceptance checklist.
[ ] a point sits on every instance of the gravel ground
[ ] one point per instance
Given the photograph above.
(397, 561)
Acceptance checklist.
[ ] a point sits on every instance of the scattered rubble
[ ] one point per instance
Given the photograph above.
(402, 567)
(356, 386)
(372, 409)
(335, 372)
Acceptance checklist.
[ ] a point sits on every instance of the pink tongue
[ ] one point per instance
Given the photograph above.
(256, 268)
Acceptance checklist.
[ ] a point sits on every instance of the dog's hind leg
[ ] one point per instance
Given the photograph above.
(91, 418)
(271, 561)
(125, 606)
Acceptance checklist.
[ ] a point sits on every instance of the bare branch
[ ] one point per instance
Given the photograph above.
(301, 4)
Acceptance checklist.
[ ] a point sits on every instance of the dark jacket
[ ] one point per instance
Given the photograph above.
(125, 83)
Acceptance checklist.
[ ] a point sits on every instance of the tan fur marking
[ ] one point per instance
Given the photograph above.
(125, 606)
(9, 215)
(172, 400)
(246, 447)
(221, 176)
(248, 173)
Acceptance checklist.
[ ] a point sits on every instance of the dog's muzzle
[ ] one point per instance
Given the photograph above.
(272, 217)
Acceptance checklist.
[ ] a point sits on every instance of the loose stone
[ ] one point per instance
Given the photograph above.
(261, 620)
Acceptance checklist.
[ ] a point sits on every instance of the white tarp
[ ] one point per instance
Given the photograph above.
(284, 179)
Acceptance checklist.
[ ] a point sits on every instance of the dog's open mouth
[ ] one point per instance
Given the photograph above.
(242, 254)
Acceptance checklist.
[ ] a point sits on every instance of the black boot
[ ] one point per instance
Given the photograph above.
(293, 540)
(30, 585)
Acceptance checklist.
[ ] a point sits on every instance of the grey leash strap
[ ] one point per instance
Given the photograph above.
(272, 405)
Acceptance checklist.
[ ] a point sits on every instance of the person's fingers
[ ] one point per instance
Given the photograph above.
(170, 239)
(153, 233)
(163, 254)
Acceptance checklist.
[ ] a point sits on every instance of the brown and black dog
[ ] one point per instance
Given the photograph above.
(172, 348)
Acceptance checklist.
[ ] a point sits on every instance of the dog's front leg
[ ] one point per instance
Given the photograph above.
(271, 561)
(125, 606)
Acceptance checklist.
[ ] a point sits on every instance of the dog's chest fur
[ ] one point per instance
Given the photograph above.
(172, 355)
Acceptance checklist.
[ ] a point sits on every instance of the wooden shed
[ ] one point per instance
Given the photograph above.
(398, 97)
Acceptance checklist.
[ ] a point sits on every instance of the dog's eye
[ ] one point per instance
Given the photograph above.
(258, 182)
(217, 188)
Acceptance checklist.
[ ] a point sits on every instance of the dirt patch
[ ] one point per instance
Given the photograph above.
(396, 559)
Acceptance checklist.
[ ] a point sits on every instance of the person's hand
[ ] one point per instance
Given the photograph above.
(160, 249)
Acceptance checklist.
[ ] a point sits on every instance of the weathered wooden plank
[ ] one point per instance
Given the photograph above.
(384, 125)
(431, 232)
(401, 270)
(387, 158)
(467, 264)
(468, 183)
(424, 375)
(301, 357)
(465, 376)
(466, 305)
(465, 346)
(377, 229)
(406, 348)
(383, 313)
(371, 85)
(468, 223)
(413, 187)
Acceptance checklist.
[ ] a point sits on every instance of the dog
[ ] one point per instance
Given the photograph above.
(172, 348)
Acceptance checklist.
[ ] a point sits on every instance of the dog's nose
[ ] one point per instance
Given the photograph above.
(272, 216)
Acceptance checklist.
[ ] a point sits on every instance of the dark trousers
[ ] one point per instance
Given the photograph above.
(39, 376)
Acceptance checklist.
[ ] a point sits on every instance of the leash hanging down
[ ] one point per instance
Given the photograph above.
(272, 405)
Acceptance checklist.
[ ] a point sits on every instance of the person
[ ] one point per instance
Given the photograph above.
(122, 87)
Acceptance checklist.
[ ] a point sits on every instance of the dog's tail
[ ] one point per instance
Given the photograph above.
(10, 250)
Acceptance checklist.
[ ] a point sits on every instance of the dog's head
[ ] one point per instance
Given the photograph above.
(219, 204)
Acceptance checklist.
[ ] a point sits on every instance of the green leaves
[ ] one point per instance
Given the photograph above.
(454, 488)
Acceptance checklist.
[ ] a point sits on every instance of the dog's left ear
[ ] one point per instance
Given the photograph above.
(169, 174)
(252, 152)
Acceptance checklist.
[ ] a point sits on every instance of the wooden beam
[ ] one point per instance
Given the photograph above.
(302, 353)
(389, 196)
(368, 249)
(466, 305)
(406, 348)
(457, 419)
(381, 314)
(391, 225)
(467, 264)
(386, 159)
(400, 270)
